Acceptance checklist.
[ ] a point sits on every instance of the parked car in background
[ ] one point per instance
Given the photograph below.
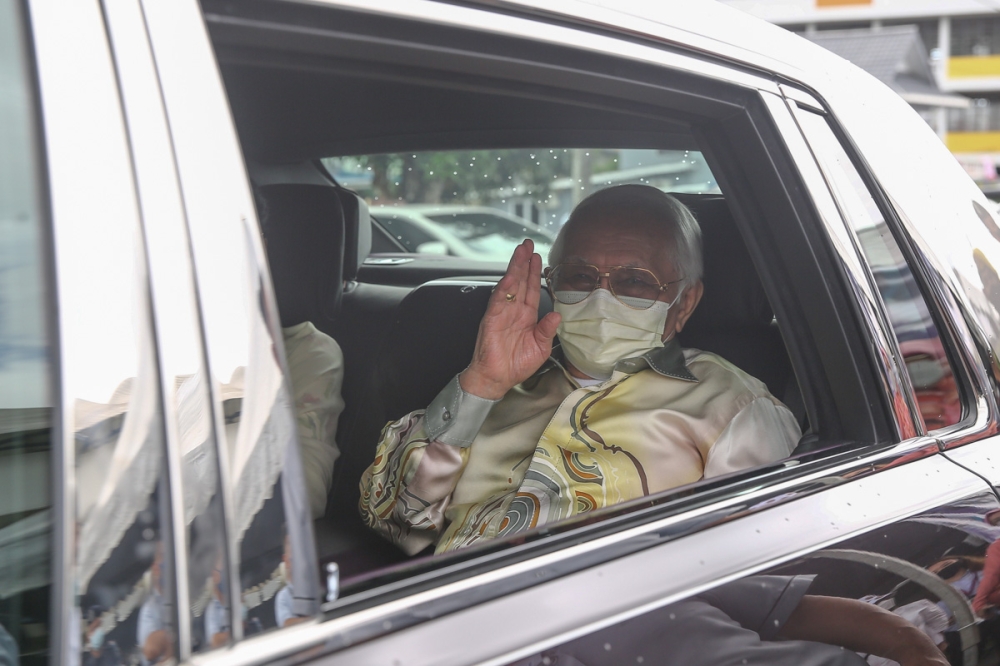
(472, 232)
(151, 492)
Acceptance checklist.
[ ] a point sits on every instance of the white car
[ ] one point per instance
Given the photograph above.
(151, 488)
(472, 232)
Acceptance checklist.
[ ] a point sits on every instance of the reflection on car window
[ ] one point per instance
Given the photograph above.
(124, 567)
(25, 399)
(481, 204)
(916, 585)
(923, 351)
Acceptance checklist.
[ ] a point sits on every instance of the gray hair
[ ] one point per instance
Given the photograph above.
(681, 229)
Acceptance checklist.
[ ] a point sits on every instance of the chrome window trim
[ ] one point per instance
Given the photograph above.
(218, 418)
(401, 626)
(883, 350)
(957, 336)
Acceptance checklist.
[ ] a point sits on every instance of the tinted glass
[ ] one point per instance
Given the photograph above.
(25, 394)
(480, 204)
(919, 341)
(923, 590)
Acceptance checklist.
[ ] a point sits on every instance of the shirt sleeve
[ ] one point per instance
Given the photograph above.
(419, 459)
(316, 369)
(760, 603)
(762, 432)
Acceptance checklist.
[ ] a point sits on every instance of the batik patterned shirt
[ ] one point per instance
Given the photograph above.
(468, 469)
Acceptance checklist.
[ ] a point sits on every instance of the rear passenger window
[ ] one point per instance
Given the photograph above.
(25, 364)
(458, 182)
(920, 343)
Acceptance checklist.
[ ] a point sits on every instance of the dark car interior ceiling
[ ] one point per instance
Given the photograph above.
(286, 115)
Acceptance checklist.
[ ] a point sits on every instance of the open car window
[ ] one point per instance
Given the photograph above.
(451, 182)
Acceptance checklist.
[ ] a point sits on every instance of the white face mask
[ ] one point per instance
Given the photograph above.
(600, 330)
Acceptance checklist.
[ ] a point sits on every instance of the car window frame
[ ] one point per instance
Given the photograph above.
(979, 410)
(342, 613)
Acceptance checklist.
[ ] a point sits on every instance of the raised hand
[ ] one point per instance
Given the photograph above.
(512, 342)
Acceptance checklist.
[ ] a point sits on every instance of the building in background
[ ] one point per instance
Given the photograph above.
(961, 39)
(897, 56)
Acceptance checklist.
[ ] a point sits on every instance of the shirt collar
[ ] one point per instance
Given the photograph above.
(667, 360)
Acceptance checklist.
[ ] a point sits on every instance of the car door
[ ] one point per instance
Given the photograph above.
(509, 610)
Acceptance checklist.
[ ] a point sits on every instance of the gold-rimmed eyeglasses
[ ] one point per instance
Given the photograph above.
(637, 288)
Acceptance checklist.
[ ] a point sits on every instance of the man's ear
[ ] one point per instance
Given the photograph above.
(689, 301)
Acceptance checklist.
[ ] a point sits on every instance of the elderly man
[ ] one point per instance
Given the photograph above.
(527, 434)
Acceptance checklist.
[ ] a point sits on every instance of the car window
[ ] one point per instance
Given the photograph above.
(457, 186)
(480, 204)
(924, 354)
(25, 364)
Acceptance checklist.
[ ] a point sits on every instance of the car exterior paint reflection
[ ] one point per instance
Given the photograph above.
(939, 570)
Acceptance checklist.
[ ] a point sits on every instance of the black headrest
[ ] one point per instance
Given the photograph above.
(734, 296)
(358, 232)
(304, 230)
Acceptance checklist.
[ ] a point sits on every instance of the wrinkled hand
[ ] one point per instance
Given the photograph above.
(512, 342)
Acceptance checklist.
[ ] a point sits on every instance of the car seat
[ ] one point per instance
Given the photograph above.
(303, 227)
(734, 318)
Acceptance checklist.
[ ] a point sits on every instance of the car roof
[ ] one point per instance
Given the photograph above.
(703, 25)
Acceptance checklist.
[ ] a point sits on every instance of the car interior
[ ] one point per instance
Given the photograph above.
(407, 322)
